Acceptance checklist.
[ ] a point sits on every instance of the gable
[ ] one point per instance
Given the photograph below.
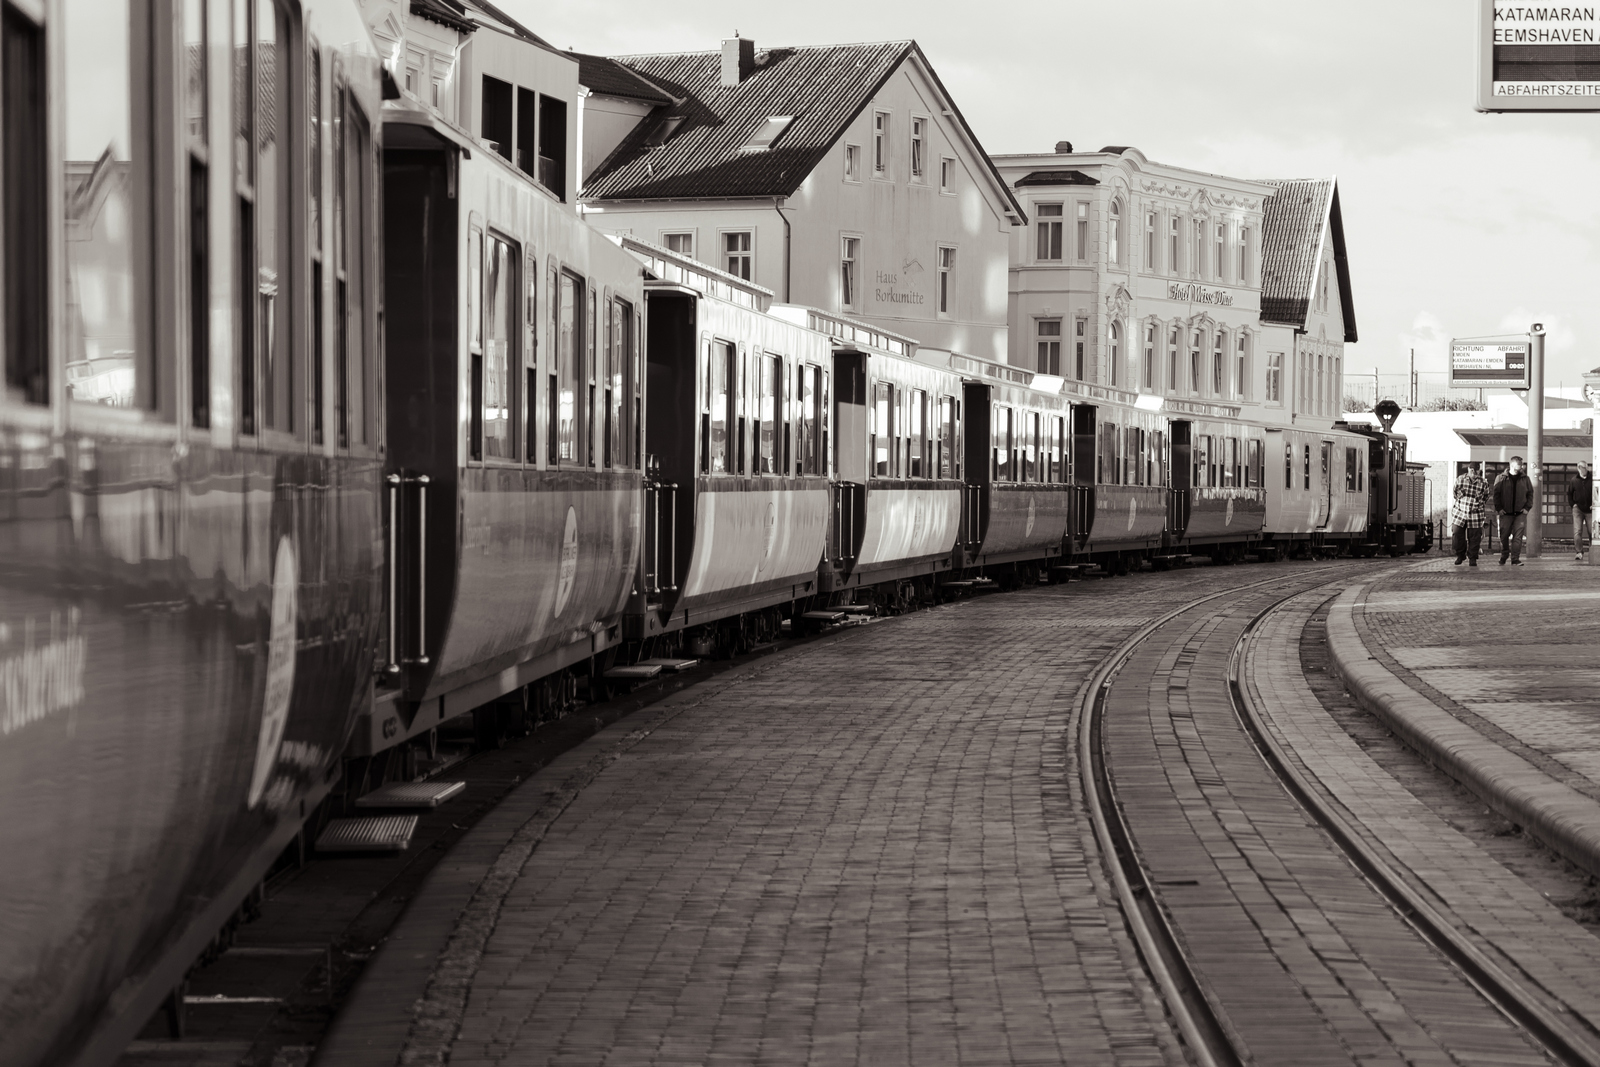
(1301, 225)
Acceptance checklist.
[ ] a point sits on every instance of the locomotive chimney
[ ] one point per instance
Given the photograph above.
(738, 60)
(1063, 148)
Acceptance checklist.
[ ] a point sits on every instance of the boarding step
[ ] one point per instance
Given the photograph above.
(378, 833)
(832, 617)
(411, 795)
(637, 672)
(855, 609)
(669, 664)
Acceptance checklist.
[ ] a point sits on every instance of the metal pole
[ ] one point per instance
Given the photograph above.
(1413, 379)
(1536, 438)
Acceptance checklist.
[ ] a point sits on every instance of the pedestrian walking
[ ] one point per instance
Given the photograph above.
(1580, 495)
(1513, 497)
(1467, 515)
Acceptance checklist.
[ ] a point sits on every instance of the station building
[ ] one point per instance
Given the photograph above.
(842, 177)
(1196, 288)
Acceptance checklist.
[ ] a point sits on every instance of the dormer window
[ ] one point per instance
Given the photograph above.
(662, 130)
(766, 133)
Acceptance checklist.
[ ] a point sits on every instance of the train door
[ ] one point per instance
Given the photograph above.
(1327, 483)
(850, 460)
(976, 402)
(1083, 470)
(1182, 468)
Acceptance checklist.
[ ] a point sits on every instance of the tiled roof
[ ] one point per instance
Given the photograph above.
(1291, 244)
(1056, 177)
(823, 88)
(610, 78)
(494, 14)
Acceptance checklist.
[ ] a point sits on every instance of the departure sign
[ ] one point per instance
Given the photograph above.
(1489, 364)
(1533, 57)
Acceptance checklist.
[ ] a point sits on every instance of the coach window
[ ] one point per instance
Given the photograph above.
(24, 188)
(1308, 466)
(499, 357)
(1202, 459)
(1000, 443)
(475, 340)
(351, 213)
(769, 371)
(808, 447)
(620, 384)
(109, 194)
(919, 434)
(1350, 467)
(882, 397)
(569, 363)
(591, 398)
(1058, 470)
(721, 356)
(947, 438)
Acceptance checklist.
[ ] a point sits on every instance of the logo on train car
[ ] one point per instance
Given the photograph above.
(1133, 511)
(1031, 514)
(280, 665)
(46, 676)
(569, 560)
(769, 534)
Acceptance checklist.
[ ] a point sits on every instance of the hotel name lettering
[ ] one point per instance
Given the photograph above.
(1191, 293)
(887, 293)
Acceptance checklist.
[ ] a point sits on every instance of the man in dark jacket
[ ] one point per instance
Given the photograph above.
(1580, 494)
(1513, 497)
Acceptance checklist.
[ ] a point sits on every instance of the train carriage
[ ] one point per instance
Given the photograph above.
(190, 451)
(515, 469)
(1122, 451)
(1319, 494)
(897, 462)
(1220, 499)
(738, 502)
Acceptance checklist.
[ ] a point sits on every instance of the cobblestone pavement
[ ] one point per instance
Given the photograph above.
(866, 850)
(1503, 915)
(1508, 649)
(1300, 957)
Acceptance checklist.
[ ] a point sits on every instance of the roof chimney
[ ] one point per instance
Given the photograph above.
(1063, 148)
(738, 60)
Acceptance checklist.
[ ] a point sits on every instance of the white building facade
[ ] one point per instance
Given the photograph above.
(1180, 284)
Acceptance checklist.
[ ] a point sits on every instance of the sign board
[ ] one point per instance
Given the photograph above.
(1536, 58)
(1489, 364)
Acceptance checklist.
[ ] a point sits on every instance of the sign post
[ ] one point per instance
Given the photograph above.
(1536, 439)
(1534, 58)
(1489, 363)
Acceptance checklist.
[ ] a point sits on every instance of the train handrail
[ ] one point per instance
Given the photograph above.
(397, 482)
(653, 584)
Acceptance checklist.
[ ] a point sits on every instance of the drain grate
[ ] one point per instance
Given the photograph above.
(411, 795)
(380, 833)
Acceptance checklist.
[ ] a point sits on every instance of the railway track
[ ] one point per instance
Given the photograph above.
(1200, 715)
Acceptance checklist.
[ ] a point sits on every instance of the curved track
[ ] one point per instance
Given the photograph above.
(1273, 931)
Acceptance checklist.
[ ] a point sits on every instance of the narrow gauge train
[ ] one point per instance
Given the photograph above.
(190, 464)
(246, 557)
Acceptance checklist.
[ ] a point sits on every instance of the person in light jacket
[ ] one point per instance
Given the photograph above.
(1513, 498)
(1580, 495)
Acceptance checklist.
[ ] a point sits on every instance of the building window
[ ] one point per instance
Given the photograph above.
(1116, 354)
(1241, 371)
(1080, 330)
(768, 132)
(880, 143)
(852, 162)
(849, 256)
(1218, 367)
(1083, 231)
(919, 128)
(947, 175)
(1150, 241)
(1322, 393)
(1275, 377)
(1048, 229)
(1244, 256)
(436, 94)
(1048, 335)
(1199, 253)
(681, 243)
(947, 266)
(1149, 380)
(1115, 250)
(1174, 382)
(1196, 372)
(736, 253)
(1172, 245)
(1222, 250)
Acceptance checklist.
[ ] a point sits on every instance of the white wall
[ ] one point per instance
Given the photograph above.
(606, 121)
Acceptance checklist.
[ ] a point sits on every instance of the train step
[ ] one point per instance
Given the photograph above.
(638, 672)
(819, 619)
(377, 833)
(411, 795)
(855, 609)
(669, 664)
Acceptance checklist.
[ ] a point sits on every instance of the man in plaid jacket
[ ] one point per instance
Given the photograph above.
(1467, 515)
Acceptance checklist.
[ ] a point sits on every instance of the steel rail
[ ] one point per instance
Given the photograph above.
(1566, 1042)
(1199, 1024)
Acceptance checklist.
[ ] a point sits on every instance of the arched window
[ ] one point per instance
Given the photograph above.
(1241, 369)
(1219, 371)
(1197, 346)
(1116, 355)
(1149, 378)
(1116, 231)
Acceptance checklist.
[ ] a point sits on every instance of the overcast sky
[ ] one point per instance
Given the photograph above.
(1457, 223)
